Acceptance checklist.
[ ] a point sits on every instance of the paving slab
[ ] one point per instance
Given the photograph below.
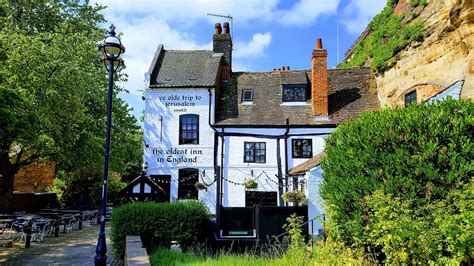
(76, 248)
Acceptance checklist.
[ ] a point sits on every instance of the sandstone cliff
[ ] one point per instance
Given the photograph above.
(444, 56)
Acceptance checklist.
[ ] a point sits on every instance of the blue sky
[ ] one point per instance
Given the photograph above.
(267, 34)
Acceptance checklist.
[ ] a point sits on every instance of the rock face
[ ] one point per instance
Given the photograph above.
(444, 56)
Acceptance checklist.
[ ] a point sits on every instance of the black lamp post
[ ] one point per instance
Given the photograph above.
(112, 48)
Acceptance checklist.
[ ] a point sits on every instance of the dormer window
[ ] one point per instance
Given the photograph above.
(247, 96)
(294, 93)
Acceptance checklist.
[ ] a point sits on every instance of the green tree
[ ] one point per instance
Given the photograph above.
(393, 170)
(50, 68)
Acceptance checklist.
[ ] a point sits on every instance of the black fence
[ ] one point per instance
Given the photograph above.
(258, 222)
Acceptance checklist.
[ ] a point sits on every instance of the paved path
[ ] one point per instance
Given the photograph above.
(76, 248)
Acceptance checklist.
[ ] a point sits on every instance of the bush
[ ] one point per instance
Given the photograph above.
(396, 170)
(182, 221)
(424, 234)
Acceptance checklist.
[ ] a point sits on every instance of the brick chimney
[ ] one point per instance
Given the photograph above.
(222, 43)
(319, 81)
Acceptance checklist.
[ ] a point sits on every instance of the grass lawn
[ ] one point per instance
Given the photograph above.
(302, 257)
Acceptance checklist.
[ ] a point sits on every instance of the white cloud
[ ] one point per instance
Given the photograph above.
(146, 23)
(255, 47)
(358, 13)
(305, 12)
(302, 12)
(190, 10)
(141, 46)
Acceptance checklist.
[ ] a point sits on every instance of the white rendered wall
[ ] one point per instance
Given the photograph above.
(236, 170)
(164, 154)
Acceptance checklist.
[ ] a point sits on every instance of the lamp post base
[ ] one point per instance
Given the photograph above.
(101, 251)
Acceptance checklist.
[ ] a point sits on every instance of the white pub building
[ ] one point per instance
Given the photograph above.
(208, 125)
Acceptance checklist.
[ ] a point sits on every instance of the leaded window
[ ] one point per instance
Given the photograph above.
(254, 152)
(294, 93)
(302, 148)
(189, 129)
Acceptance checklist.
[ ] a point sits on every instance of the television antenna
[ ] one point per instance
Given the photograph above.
(229, 17)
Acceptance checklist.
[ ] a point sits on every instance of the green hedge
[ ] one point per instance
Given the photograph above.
(389, 180)
(183, 221)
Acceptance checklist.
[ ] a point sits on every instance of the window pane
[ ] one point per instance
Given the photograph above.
(294, 94)
(189, 129)
(247, 96)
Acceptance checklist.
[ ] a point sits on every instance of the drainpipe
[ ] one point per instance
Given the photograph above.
(285, 138)
(217, 173)
(280, 174)
(222, 165)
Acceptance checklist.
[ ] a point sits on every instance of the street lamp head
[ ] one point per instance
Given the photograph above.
(111, 46)
(117, 64)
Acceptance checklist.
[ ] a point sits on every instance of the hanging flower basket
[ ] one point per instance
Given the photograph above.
(200, 186)
(295, 197)
(250, 184)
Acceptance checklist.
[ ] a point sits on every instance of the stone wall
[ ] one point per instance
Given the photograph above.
(135, 253)
(445, 56)
(35, 178)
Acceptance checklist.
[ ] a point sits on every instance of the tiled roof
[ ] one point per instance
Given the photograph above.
(179, 68)
(308, 165)
(351, 92)
(293, 77)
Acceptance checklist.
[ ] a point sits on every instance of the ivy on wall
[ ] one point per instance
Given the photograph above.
(388, 35)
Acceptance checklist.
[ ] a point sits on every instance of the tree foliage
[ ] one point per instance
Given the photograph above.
(389, 175)
(83, 188)
(50, 68)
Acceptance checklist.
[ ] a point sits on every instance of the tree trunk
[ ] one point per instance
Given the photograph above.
(7, 174)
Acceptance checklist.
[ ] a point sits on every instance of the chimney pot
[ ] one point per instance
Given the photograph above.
(283, 68)
(218, 28)
(226, 28)
(319, 43)
(274, 69)
(279, 69)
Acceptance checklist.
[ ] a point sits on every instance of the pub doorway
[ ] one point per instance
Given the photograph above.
(188, 177)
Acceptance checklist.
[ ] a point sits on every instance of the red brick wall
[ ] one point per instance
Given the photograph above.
(35, 178)
(319, 83)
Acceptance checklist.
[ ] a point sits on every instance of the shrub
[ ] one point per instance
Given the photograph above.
(425, 234)
(182, 221)
(295, 230)
(417, 158)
